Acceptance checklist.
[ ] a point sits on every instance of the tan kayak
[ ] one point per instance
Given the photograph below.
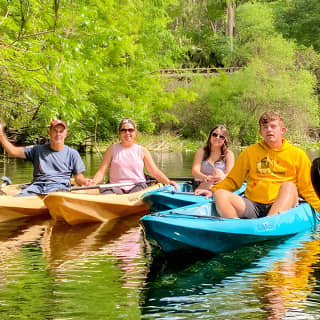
(19, 207)
(83, 206)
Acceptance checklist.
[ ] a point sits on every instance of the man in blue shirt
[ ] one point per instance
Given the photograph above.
(53, 163)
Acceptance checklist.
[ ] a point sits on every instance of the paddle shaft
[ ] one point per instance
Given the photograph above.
(111, 185)
(125, 184)
(184, 179)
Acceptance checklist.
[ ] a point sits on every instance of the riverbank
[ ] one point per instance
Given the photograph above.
(166, 142)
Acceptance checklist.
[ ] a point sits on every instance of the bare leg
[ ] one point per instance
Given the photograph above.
(287, 198)
(228, 204)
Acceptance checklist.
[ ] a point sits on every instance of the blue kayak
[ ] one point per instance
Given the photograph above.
(167, 197)
(197, 225)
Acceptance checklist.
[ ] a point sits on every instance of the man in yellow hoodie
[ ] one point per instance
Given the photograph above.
(276, 173)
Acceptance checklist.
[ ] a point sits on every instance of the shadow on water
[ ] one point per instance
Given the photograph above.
(197, 268)
(266, 280)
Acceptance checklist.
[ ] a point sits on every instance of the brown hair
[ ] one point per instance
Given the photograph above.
(224, 147)
(270, 116)
(127, 120)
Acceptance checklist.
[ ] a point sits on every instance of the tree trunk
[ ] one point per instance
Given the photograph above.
(230, 22)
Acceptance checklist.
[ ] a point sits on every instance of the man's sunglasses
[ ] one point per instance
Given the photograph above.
(130, 130)
(219, 136)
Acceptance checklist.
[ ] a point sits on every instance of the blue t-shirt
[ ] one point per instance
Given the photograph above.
(54, 167)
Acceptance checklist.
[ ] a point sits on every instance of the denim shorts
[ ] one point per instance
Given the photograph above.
(41, 188)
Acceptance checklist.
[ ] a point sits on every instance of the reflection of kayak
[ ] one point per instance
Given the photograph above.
(62, 242)
(18, 207)
(81, 207)
(64, 246)
(197, 226)
(239, 277)
(16, 234)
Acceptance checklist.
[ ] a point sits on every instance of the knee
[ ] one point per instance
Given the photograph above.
(220, 194)
(288, 186)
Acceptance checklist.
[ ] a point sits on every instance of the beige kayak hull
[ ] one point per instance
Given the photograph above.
(12, 208)
(77, 208)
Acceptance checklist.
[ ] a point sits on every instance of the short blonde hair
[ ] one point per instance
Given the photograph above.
(270, 116)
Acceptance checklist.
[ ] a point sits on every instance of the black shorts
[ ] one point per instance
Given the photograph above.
(255, 210)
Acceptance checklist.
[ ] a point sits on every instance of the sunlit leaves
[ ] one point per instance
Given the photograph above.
(89, 62)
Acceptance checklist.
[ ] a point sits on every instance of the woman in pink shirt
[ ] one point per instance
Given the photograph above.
(127, 161)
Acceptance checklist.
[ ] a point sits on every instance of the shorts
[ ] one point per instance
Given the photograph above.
(255, 210)
(41, 188)
(117, 190)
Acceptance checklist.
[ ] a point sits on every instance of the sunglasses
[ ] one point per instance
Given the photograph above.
(130, 130)
(219, 136)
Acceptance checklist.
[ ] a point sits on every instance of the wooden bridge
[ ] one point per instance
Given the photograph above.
(191, 72)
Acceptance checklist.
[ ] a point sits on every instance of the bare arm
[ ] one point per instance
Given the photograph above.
(82, 180)
(154, 170)
(218, 174)
(229, 162)
(12, 150)
(196, 166)
(105, 165)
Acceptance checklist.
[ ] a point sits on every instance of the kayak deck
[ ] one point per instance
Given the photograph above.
(82, 207)
(12, 207)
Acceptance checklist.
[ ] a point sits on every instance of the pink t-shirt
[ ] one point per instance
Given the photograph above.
(127, 165)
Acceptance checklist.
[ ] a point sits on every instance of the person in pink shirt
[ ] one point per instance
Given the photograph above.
(126, 161)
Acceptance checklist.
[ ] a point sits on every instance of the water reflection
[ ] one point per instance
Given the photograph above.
(106, 271)
(267, 281)
(57, 271)
(290, 281)
(119, 239)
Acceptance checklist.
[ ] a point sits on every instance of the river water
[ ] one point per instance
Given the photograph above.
(108, 271)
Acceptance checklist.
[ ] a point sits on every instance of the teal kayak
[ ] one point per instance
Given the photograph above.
(167, 197)
(197, 226)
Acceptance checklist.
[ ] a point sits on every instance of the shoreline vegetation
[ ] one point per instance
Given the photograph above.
(177, 67)
(167, 142)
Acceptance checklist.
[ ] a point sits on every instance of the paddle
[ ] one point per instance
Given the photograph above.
(5, 181)
(124, 184)
(110, 185)
(315, 175)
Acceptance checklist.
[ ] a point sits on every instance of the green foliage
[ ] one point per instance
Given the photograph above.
(88, 62)
(272, 80)
(93, 62)
(300, 20)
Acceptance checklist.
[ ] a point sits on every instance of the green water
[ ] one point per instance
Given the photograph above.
(108, 271)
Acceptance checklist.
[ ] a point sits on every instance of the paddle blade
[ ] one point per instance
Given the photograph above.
(315, 175)
(6, 180)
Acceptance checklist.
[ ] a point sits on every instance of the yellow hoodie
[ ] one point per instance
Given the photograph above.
(265, 169)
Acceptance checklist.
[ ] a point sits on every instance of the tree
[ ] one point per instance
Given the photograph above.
(272, 80)
(300, 20)
(88, 62)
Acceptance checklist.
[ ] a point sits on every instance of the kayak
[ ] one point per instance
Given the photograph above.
(198, 226)
(12, 208)
(85, 206)
(167, 197)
